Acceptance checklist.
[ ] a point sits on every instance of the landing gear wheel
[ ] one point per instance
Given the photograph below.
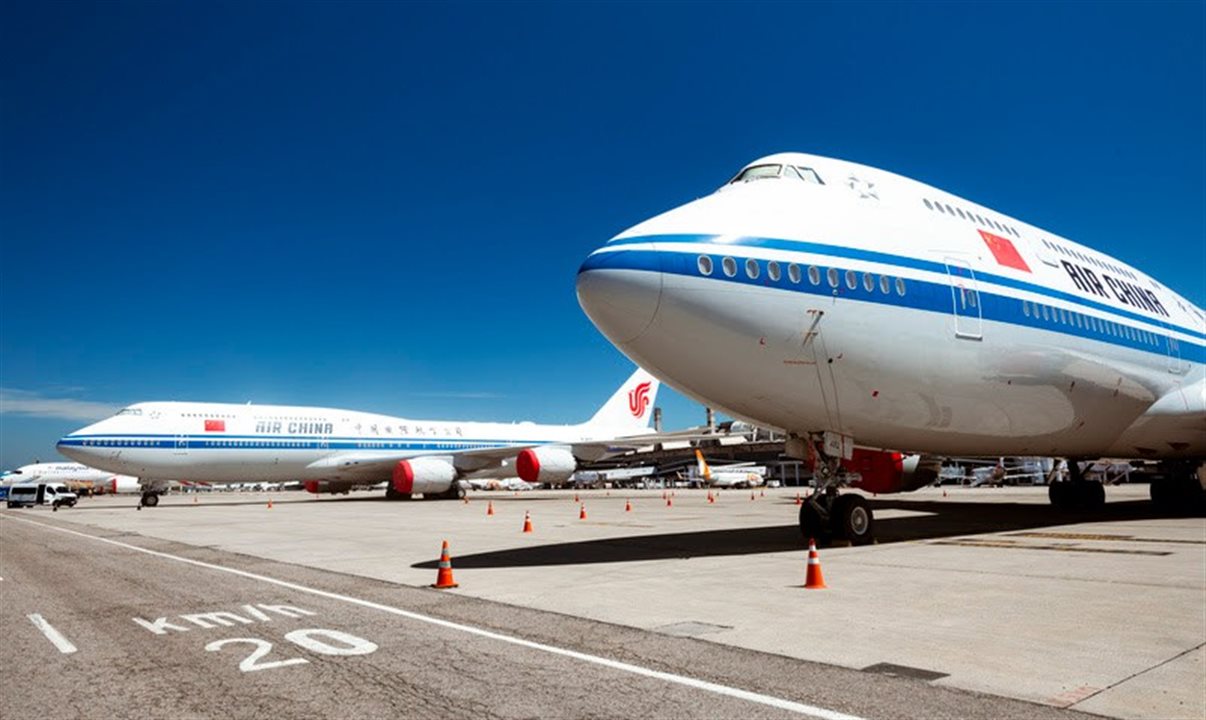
(1178, 494)
(1062, 495)
(812, 525)
(149, 499)
(853, 520)
(1092, 496)
(1072, 495)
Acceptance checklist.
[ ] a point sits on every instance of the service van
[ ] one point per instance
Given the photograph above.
(29, 494)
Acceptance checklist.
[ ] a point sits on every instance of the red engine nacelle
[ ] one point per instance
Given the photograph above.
(890, 472)
(423, 475)
(545, 465)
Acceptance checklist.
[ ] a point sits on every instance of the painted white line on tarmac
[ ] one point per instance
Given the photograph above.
(768, 700)
(63, 644)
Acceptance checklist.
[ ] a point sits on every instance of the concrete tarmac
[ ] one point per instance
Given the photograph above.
(1032, 613)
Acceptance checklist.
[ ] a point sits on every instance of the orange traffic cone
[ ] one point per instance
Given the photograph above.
(752, 497)
(489, 507)
(761, 493)
(444, 574)
(627, 506)
(944, 493)
(466, 499)
(269, 503)
(527, 522)
(576, 497)
(669, 501)
(582, 512)
(710, 498)
(799, 500)
(814, 580)
(663, 494)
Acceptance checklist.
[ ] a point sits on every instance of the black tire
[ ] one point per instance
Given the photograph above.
(1092, 496)
(150, 499)
(1062, 495)
(812, 527)
(853, 520)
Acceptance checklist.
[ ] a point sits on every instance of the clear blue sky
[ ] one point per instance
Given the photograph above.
(382, 206)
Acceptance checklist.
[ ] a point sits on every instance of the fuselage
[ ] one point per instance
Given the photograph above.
(55, 472)
(227, 443)
(813, 294)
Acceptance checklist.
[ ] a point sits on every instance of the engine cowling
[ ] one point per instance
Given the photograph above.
(545, 465)
(891, 472)
(319, 487)
(423, 475)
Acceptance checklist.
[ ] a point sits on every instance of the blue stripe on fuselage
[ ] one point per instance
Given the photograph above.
(920, 294)
(600, 260)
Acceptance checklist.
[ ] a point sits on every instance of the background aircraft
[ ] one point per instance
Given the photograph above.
(741, 475)
(845, 304)
(332, 450)
(75, 475)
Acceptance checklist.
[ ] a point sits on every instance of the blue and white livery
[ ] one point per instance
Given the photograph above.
(854, 308)
(331, 450)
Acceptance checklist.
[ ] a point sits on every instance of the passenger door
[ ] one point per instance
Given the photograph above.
(965, 299)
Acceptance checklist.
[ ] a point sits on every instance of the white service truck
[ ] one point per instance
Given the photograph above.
(54, 494)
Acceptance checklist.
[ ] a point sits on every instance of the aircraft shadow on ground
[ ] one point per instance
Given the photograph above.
(945, 519)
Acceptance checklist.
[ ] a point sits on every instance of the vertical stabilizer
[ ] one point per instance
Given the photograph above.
(631, 406)
(705, 472)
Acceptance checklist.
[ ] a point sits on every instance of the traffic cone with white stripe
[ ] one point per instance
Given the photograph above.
(489, 507)
(527, 522)
(269, 503)
(799, 500)
(814, 580)
(627, 506)
(444, 574)
(582, 512)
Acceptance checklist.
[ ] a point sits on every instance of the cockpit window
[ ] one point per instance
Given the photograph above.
(130, 411)
(757, 172)
(803, 173)
(762, 172)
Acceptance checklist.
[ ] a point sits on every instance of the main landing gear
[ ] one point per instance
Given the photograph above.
(149, 499)
(1178, 488)
(826, 514)
(1076, 493)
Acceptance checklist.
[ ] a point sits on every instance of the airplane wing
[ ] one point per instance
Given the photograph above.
(378, 466)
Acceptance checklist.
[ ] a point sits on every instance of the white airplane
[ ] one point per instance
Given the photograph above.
(332, 450)
(729, 476)
(74, 473)
(844, 304)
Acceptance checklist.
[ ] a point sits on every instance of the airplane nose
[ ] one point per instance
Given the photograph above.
(620, 291)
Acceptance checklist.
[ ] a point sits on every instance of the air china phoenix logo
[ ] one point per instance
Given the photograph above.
(638, 399)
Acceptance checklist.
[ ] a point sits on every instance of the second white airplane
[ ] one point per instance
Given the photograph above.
(331, 450)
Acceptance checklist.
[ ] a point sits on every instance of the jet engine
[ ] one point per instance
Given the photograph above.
(886, 472)
(429, 476)
(327, 486)
(545, 465)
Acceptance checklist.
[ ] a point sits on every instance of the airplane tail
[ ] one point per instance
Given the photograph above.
(631, 406)
(705, 472)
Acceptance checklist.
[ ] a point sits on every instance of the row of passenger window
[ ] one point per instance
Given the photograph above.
(1088, 322)
(833, 276)
(969, 215)
(1089, 259)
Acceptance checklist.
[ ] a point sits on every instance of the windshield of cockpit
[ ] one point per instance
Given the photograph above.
(130, 411)
(777, 170)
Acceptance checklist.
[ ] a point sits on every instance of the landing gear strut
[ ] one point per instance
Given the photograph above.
(1076, 493)
(827, 514)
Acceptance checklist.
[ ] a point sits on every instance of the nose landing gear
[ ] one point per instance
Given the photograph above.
(826, 514)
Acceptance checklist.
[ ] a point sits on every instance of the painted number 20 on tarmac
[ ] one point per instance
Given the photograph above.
(317, 640)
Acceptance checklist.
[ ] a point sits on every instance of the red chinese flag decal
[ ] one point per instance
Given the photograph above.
(1004, 251)
(215, 426)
